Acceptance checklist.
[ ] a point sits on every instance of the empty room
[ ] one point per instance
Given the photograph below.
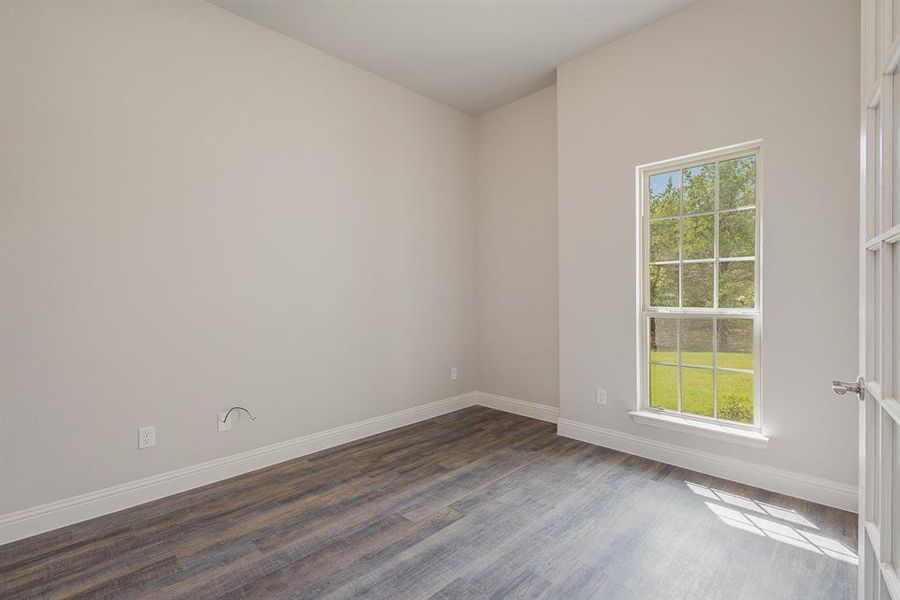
(450, 299)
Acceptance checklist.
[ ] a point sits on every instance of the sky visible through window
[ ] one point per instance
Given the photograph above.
(659, 182)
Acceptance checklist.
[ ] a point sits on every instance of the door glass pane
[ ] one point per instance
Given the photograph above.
(699, 236)
(877, 40)
(737, 233)
(737, 284)
(734, 344)
(872, 175)
(895, 491)
(700, 189)
(664, 240)
(876, 55)
(876, 164)
(895, 27)
(664, 387)
(737, 182)
(873, 575)
(696, 341)
(697, 391)
(665, 194)
(895, 299)
(876, 462)
(734, 393)
(874, 315)
(663, 340)
(663, 285)
(895, 201)
(698, 284)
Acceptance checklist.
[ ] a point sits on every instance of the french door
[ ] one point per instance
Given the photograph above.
(879, 417)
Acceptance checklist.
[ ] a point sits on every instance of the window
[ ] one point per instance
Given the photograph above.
(700, 271)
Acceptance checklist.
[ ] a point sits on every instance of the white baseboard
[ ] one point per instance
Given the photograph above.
(806, 487)
(46, 517)
(519, 407)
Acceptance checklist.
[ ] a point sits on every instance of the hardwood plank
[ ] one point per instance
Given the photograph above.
(474, 504)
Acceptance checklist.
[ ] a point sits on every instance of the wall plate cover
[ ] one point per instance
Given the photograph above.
(146, 436)
(220, 426)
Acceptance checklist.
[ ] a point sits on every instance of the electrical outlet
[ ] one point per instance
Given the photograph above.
(146, 436)
(601, 397)
(220, 426)
(454, 373)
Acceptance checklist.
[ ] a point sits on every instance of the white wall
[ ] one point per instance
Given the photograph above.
(517, 264)
(714, 74)
(198, 212)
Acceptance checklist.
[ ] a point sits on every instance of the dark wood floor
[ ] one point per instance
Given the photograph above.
(474, 504)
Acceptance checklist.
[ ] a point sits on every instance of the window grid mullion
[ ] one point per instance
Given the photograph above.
(702, 367)
(715, 363)
(716, 244)
(678, 361)
(680, 265)
(680, 291)
(688, 261)
(705, 213)
(715, 331)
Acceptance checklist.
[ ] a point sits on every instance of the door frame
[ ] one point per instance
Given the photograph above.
(879, 59)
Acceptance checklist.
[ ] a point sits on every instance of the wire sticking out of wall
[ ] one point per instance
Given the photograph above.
(225, 418)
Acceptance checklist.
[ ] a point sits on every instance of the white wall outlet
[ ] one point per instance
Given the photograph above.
(454, 373)
(146, 436)
(220, 426)
(601, 397)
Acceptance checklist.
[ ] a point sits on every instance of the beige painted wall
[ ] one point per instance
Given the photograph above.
(198, 212)
(715, 74)
(517, 262)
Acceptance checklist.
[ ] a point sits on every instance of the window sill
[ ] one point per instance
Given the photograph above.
(715, 431)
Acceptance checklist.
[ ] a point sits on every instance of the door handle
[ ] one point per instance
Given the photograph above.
(858, 387)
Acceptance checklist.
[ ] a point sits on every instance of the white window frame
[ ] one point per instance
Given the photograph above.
(748, 434)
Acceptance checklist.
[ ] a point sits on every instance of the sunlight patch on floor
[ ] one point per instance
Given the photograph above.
(757, 518)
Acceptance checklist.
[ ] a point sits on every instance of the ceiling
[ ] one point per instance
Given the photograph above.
(473, 55)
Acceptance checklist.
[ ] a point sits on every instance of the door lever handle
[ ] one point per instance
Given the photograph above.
(858, 387)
